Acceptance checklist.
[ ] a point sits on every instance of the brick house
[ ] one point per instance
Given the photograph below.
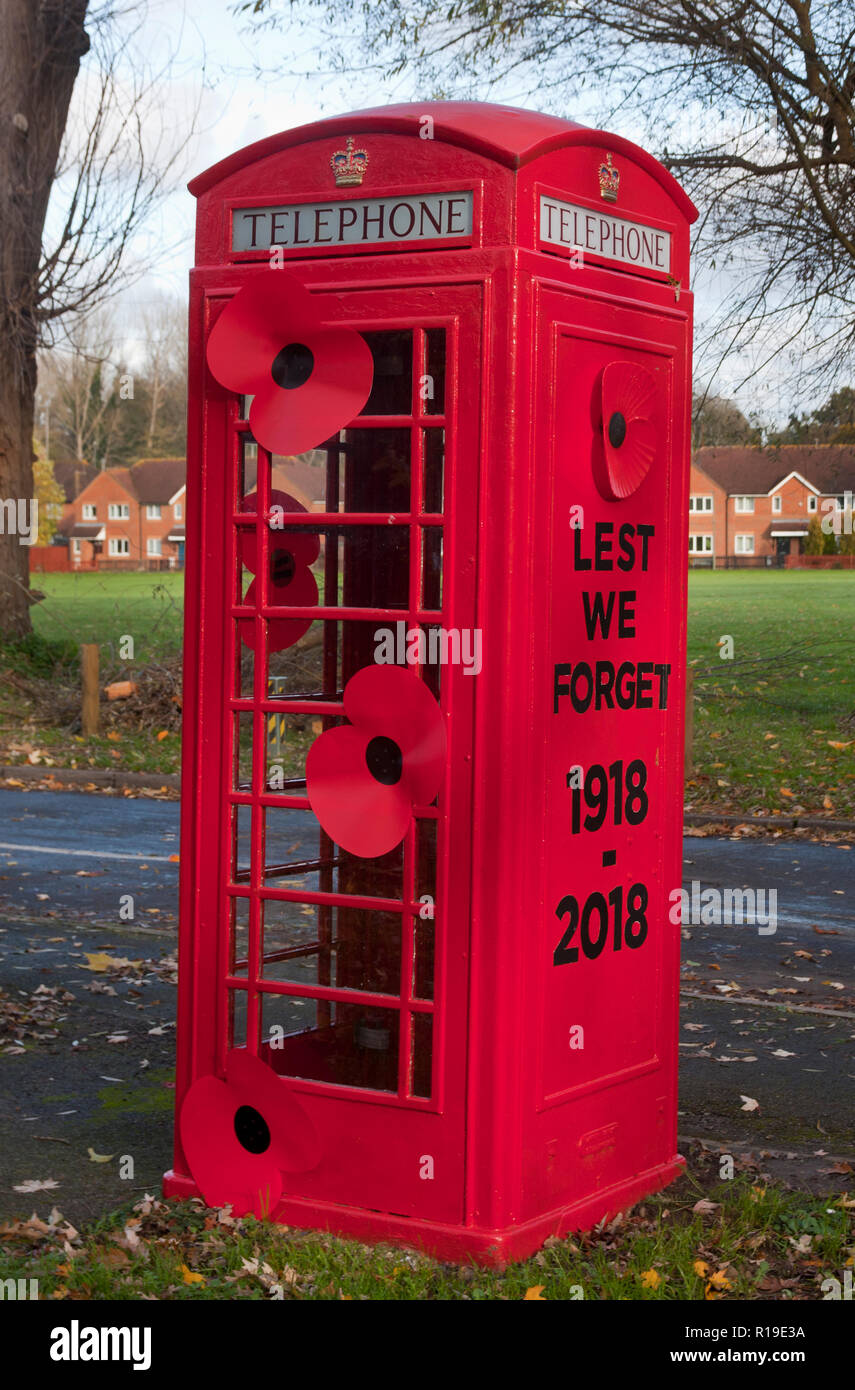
(129, 518)
(753, 506)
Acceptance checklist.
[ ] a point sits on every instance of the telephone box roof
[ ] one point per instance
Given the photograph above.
(509, 135)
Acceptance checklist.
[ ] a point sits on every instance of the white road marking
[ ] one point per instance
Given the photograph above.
(87, 853)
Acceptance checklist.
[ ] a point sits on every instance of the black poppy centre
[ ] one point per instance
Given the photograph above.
(282, 567)
(384, 760)
(251, 1130)
(292, 366)
(617, 430)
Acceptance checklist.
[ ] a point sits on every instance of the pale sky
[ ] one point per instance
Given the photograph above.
(214, 67)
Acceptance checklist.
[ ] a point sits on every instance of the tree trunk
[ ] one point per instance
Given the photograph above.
(41, 44)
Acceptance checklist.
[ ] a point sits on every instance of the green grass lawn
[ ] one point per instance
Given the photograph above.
(739, 1240)
(774, 726)
(102, 608)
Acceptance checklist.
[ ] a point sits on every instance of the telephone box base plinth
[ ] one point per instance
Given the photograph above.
(460, 1243)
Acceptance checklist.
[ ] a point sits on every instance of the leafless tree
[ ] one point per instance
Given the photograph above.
(86, 153)
(80, 379)
(749, 102)
(164, 325)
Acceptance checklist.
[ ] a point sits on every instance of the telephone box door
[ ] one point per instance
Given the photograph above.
(612, 407)
(343, 966)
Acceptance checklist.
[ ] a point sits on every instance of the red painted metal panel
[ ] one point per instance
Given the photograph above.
(442, 1089)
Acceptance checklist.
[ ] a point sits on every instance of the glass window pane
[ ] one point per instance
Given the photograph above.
(371, 564)
(392, 388)
(238, 915)
(342, 947)
(345, 1044)
(432, 567)
(296, 846)
(241, 843)
(423, 972)
(434, 404)
(422, 1054)
(434, 470)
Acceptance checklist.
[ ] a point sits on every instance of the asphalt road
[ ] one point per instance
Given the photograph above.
(767, 1015)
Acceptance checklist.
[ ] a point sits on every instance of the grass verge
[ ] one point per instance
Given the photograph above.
(697, 1241)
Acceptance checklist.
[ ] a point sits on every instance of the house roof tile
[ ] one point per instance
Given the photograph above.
(742, 469)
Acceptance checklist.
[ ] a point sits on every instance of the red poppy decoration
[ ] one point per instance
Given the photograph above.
(629, 396)
(363, 779)
(309, 378)
(290, 580)
(240, 1134)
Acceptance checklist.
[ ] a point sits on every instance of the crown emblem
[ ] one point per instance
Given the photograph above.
(349, 165)
(609, 180)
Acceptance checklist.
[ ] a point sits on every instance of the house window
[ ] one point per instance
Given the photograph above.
(154, 546)
(743, 504)
(90, 511)
(700, 502)
(700, 545)
(119, 511)
(152, 512)
(118, 545)
(744, 545)
(777, 504)
(811, 504)
(75, 545)
(177, 511)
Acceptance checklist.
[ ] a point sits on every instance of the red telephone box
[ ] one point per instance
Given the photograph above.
(435, 613)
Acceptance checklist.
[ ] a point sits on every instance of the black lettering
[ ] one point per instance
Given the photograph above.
(624, 697)
(558, 689)
(452, 214)
(580, 562)
(644, 685)
(436, 222)
(605, 682)
(603, 545)
(253, 217)
(377, 217)
(581, 672)
(626, 614)
(663, 671)
(342, 225)
(564, 953)
(409, 227)
(597, 614)
(625, 535)
(645, 532)
(319, 213)
(298, 240)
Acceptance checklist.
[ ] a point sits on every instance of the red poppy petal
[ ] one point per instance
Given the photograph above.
(222, 1168)
(293, 1138)
(272, 309)
(302, 591)
(391, 701)
(364, 816)
(631, 391)
(304, 547)
(294, 421)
